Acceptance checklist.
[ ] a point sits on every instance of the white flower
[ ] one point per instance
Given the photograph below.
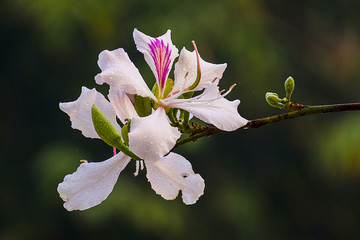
(210, 106)
(150, 138)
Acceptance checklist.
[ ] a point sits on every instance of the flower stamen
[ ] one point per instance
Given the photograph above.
(141, 165)
(196, 100)
(138, 165)
(198, 76)
(136, 168)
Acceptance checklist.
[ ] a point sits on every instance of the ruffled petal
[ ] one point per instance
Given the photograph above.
(80, 111)
(117, 70)
(186, 71)
(173, 173)
(152, 137)
(159, 53)
(212, 108)
(91, 183)
(122, 104)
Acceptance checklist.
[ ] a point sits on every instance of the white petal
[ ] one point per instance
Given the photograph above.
(186, 71)
(122, 104)
(119, 71)
(91, 183)
(142, 42)
(221, 112)
(80, 111)
(152, 137)
(173, 173)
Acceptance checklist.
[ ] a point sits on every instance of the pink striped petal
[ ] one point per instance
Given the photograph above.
(159, 53)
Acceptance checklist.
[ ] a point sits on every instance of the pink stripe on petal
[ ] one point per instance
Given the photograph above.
(161, 53)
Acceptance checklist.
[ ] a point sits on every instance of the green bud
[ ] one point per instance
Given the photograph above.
(274, 100)
(108, 133)
(142, 106)
(289, 87)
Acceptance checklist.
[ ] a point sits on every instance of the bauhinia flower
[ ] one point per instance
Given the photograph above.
(150, 138)
(191, 74)
(151, 119)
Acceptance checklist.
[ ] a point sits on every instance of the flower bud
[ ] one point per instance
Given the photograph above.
(108, 133)
(289, 87)
(273, 100)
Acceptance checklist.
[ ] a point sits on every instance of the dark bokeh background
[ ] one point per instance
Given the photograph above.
(298, 179)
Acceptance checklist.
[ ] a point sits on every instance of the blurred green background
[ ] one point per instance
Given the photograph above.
(299, 179)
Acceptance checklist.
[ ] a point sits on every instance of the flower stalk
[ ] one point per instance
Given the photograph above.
(260, 122)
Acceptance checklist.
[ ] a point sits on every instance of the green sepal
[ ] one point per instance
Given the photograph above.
(289, 87)
(155, 89)
(168, 87)
(185, 115)
(142, 105)
(108, 133)
(170, 114)
(125, 133)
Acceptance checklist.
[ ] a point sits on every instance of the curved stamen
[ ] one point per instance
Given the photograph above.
(196, 100)
(198, 76)
(137, 168)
